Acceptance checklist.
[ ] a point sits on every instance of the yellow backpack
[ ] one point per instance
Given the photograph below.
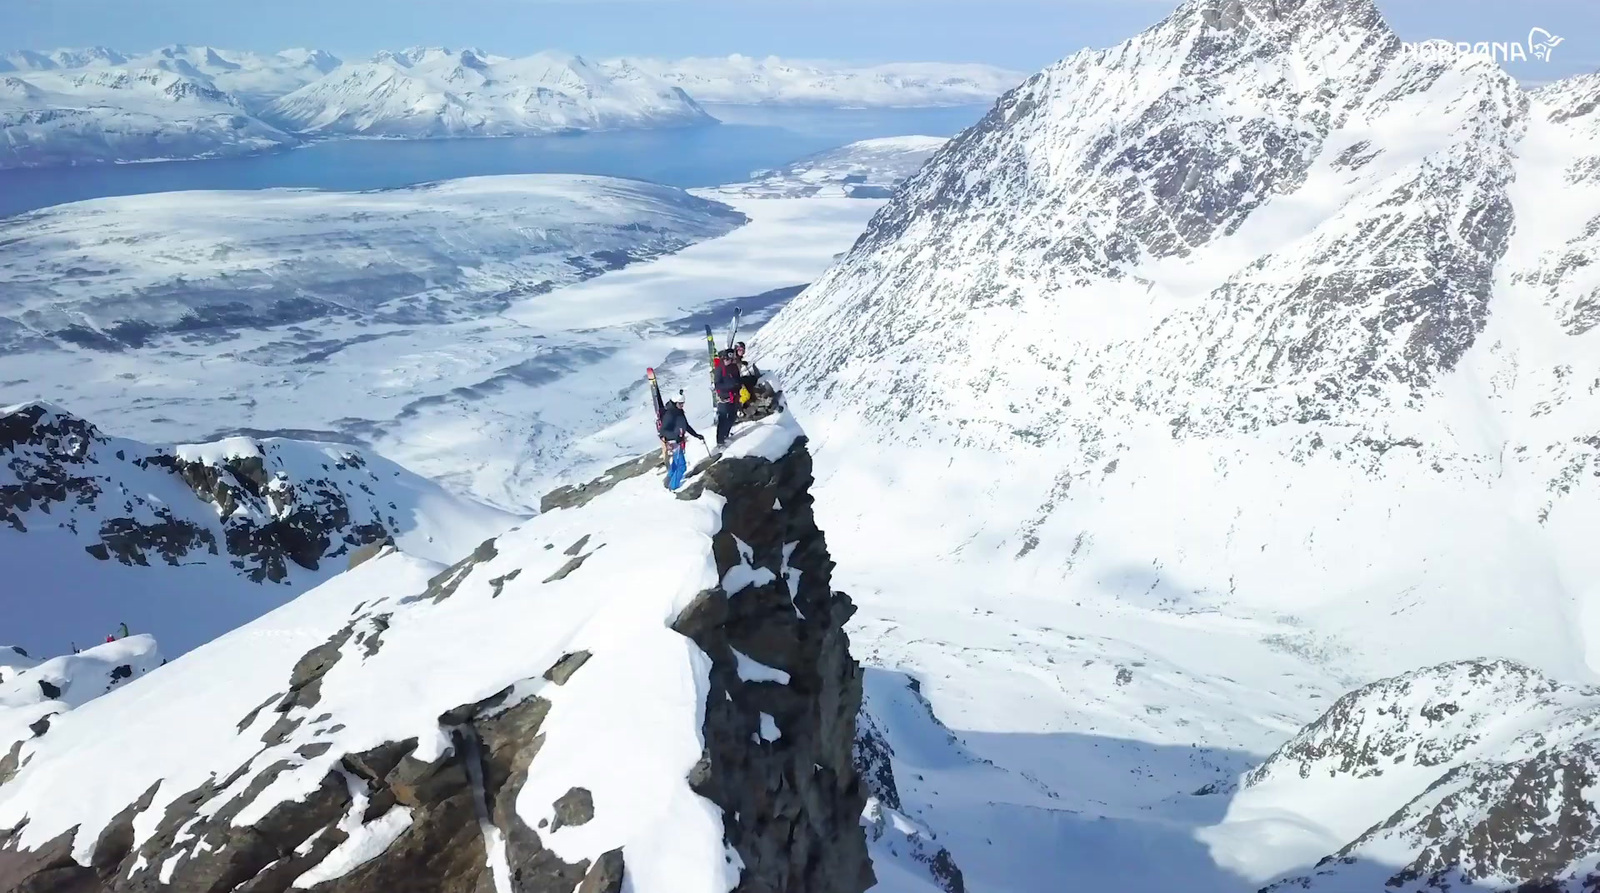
(744, 396)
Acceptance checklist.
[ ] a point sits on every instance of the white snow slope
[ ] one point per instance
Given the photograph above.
(1211, 375)
(745, 80)
(120, 272)
(187, 542)
(31, 697)
(435, 92)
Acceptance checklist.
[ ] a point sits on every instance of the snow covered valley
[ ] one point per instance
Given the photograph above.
(1205, 441)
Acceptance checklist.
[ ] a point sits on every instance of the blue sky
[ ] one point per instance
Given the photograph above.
(1023, 34)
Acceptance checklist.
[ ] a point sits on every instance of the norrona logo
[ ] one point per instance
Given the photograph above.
(1541, 44)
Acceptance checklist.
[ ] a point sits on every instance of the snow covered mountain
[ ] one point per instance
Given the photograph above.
(435, 92)
(637, 692)
(1211, 375)
(865, 169)
(745, 80)
(122, 272)
(189, 541)
(255, 78)
(1253, 265)
(1472, 773)
(123, 113)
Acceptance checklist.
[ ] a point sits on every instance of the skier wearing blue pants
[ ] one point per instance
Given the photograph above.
(675, 431)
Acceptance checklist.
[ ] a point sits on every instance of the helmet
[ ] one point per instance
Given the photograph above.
(678, 397)
(738, 347)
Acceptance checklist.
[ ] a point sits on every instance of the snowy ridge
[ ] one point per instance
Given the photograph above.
(30, 697)
(570, 690)
(745, 80)
(435, 92)
(189, 541)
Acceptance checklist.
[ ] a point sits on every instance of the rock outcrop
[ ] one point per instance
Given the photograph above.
(491, 727)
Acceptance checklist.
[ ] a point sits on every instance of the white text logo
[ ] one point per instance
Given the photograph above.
(1541, 44)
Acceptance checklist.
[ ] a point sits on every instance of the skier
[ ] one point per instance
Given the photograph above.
(122, 631)
(749, 375)
(675, 432)
(726, 375)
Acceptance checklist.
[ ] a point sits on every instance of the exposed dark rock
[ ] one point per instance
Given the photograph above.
(565, 569)
(40, 725)
(563, 669)
(575, 807)
(576, 547)
(605, 876)
(498, 584)
(368, 552)
(250, 717)
(580, 494)
(10, 762)
(304, 690)
(791, 808)
(447, 581)
(50, 690)
(64, 469)
(312, 751)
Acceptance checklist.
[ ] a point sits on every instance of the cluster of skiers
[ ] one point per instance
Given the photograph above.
(737, 391)
(121, 633)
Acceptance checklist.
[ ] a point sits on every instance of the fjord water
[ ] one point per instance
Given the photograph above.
(748, 139)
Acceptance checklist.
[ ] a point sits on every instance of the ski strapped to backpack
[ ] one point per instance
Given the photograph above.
(734, 332)
(711, 353)
(655, 396)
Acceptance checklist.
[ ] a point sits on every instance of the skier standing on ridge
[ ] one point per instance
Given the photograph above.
(726, 375)
(675, 431)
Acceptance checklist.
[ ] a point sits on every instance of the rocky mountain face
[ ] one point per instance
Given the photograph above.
(278, 513)
(1476, 773)
(640, 692)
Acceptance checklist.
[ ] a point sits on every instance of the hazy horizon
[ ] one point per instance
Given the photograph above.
(1019, 34)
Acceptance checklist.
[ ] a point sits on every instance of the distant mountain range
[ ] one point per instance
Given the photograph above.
(72, 106)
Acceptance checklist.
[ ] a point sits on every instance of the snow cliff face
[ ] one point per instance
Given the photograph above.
(437, 92)
(645, 691)
(98, 530)
(1249, 313)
